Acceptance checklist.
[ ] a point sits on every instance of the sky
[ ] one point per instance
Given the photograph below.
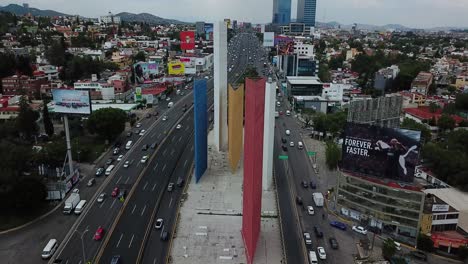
(412, 13)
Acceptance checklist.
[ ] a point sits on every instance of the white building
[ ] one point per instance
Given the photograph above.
(303, 49)
(110, 19)
(334, 91)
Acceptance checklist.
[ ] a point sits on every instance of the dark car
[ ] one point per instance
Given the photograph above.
(338, 225)
(318, 232)
(333, 243)
(164, 236)
(115, 259)
(418, 255)
(109, 161)
(154, 145)
(180, 182)
(313, 185)
(99, 171)
(145, 147)
(299, 200)
(283, 140)
(122, 193)
(284, 148)
(170, 186)
(116, 151)
(305, 184)
(129, 133)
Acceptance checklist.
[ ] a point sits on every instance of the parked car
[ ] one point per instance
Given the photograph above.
(321, 253)
(129, 133)
(310, 210)
(122, 193)
(99, 171)
(76, 190)
(164, 236)
(164, 118)
(99, 234)
(418, 255)
(144, 159)
(313, 185)
(333, 243)
(179, 126)
(138, 125)
(338, 225)
(154, 145)
(284, 148)
(360, 230)
(159, 223)
(145, 147)
(109, 161)
(305, 184)
(115, 259)
(318, 232)
(120, 157)
(307, 239)
(142, 132)
(91, 182)
(116, 151)
(283, 140)
(298, 200)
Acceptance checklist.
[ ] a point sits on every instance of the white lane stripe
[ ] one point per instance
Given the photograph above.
(143, 211)
(164, 152)
(155, 167)
(170, 202)
(112, 205)
(164, 167)
(146, 184)
(119, 180)
(126, 181)
(103, 202)
(185, 163)
(118, 243)
(180, 138)
(131, 241)
(191, 149)
(172, 152)
(134, 207)
(153, 135)
(154, 186)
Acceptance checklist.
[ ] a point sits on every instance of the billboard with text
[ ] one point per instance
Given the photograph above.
(381, 152)
(187, 40)
(71, 101)
(176, 68)
(145, 71)
(268, 39)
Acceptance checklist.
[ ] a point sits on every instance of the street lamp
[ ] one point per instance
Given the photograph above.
(82, 242)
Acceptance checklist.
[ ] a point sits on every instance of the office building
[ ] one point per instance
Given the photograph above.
(200, 28)
(306, 10)
(281, 12)
(422, 82)
(110, 19)
(382, 111)
(384, 77)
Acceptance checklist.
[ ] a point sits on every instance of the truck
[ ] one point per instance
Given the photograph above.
(71, 203)
(318, 199)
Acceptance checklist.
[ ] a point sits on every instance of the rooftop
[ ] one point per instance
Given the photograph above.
(295, 80)
(424, 113)
(456, 199)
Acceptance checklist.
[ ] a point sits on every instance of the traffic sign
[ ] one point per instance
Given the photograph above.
(311, 153)
(283, 157)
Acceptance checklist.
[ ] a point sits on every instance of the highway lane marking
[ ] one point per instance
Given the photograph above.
(164, 152)
(154, 261)
(191, 149)
(186, 128)
(112, 205)
(172, 152)
(79, 262)
(146, 184)
(154, 134)
(180, 138)
(154, 186)
(126, 181)
(164, 167)
(131, 241)
(134, 207)
(100, 206)
(170, 202)
(119, 180)
(155, 167)
(143, 211)
(185, 163)
(118, 243)
(66, 262)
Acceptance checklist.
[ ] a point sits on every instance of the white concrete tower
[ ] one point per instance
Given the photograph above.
(268, 134)
(220, 85)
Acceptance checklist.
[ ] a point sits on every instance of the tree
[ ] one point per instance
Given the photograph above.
(413, 125)
(140, 56)
(332, 155)
(108, 123)
(461, 101)
(55, 54)
(29, 194)
(463, 252)
(388, 249)
(26, 120)
(446, 122)
(324, 72)
(425, 243)
(48, 126)
(433, 107)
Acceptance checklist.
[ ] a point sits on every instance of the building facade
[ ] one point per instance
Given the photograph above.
(306, 10)
(421, 83)
(382, 111)
(281, 12)
(16, 85)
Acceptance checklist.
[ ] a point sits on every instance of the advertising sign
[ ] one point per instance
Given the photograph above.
(285, 45)
(440, 207)
(209, 31)
(71, 101)
(145, 71)
(176, 68)
(187, 40)
(138, 94)
(268, 39)
(381, 152)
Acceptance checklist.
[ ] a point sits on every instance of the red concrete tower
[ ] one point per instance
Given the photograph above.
(253, 156)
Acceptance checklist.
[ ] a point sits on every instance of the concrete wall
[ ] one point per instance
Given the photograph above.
(269, 133)
(201, 128)
(220, 85)
(235, 128)
(253, 156)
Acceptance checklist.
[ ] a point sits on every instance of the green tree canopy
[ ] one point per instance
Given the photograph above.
(446, 122)
(26, 120)
(332, 155)
(48, 125)
(140, 56)
(108, 123)
(388, 249)
(425, 243)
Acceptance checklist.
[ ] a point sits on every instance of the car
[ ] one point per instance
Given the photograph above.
(360, 230)
(116, 151)
(338, 225)
(304, 184)
(115, 192)
(122, 193)
(284, 148)
(170, 187)
(291, 144)
(109, 161)
(99, 233)
(299, 200)
(91, 182)
(148, 115)
(310, 210)
(318, 232)
(99, 171)
(164, 236)
(138, 125)
(283, 140)
(101, 198)
(126, 164)
(288, 132)
(333, 242)
(179, 126)
(164, 118)
(120, 157)
(321, 253)
(307, 238)
(417, 254)
(145, 147)
(76, 190)
(159, 223)
(144, 159)
(137, 131)
(154, 145)
(129, 133)
(182, 94)
(168, 99)
(313, 185)
(142, 132)
(115, 259)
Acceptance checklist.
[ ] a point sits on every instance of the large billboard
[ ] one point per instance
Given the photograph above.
(382, 152)
(176, 68)
(71, 101)
(268, 39)
(209, 31)
(285, 44)
(145, 72)
(187, 40)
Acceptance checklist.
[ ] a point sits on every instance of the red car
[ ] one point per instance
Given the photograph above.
(115, 192)
(99, 234)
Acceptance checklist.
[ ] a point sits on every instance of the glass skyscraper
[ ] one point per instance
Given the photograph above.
(306, 10)
(281, 12)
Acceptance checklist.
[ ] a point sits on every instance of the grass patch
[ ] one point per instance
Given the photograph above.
(12, 220)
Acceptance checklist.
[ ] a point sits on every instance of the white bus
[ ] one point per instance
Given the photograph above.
(313, 257)
(49, 249)
(79, 208)
(109, 170)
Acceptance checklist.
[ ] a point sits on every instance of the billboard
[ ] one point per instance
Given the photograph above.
(187, 40)
(285, 45)
(268, 39)
(145, 71)
(209, 31)
(176, 68)
(381, 152)
(71, 101)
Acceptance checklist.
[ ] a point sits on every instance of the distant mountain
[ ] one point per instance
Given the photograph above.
(335, 24)
(21, 10)
(147, 18)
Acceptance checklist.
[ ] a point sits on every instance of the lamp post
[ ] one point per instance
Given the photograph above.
(82, 242)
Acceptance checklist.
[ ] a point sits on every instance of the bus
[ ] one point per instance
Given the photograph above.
(109, 169)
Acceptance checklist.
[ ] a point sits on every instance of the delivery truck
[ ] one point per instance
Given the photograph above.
(318, 199)
(71, 203)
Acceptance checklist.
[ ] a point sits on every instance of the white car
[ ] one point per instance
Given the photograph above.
(142, 132)
(101, 197)
(291, 144)
(360, 230)
(168, 99)
(144, 159)
(179, 126)
(76, 190)
(307, 239)
(310, 210)
(164, 118)
(159, 223)
(126, 164)
(138, 124)
(120, 158)
(321, 253)
(288, 132)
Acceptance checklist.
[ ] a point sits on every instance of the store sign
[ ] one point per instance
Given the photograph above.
(440, 207)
